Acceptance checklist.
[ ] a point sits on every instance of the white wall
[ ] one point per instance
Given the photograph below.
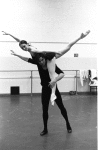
(65, 85)
(46, 20)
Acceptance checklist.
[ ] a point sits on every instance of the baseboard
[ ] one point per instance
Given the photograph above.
(39, 94)
(80, 93)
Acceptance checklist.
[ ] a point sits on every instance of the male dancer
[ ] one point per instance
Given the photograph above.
(47, 85)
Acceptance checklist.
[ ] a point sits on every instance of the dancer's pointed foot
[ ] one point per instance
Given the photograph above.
(87, 32)
(83, 35)
(53, 97)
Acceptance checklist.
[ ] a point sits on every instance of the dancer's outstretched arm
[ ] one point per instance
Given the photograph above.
(21, 57)
(62, 52)
(5, 33)
(18, 40)
(33, 48)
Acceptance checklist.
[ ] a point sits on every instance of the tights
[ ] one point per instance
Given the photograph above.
(51, 70)
(46, 92)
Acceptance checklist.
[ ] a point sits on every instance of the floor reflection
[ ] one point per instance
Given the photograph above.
(21, 123)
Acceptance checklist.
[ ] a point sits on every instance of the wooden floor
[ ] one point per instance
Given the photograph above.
(21, 124)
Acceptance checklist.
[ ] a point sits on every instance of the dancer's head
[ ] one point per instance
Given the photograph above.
(24, 45)
(41, 59)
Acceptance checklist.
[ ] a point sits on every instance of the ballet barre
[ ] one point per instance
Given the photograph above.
(32, 77)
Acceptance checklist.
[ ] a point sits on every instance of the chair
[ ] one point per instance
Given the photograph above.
(93, 85)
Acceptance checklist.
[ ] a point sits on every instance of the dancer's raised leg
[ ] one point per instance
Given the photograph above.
(51, 69)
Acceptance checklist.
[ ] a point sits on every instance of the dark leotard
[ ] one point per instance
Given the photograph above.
(46, 55)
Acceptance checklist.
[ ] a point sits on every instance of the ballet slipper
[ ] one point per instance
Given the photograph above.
(53, 97)
(44, 132)
(87, 33)
(69, 129)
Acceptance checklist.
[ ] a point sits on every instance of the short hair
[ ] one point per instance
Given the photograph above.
(22, 42)
(39, 55)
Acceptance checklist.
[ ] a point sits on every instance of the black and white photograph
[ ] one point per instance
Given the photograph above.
(48, 75)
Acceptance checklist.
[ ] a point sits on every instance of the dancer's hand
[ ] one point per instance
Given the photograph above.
(5, 33)
(13, 53)
(83, 35)
(52, 83)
